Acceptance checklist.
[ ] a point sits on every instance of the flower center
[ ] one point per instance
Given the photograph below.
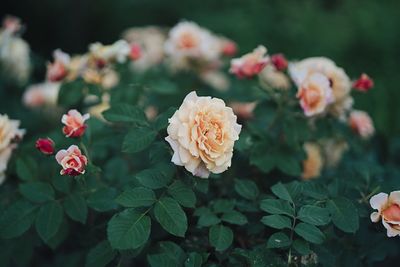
(187, 41)
(392, 213)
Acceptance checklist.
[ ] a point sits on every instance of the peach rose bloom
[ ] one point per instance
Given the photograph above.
(250, 64)
(313, 164)
(9, 132)
(333, 151)
(340, 109)
(315, 94)
(42, 94)
(361, 123)
(72, 161)
(74, 123)
(388, 211)
(202, 133)
(187, 39)
(338, 79)
(58, 70)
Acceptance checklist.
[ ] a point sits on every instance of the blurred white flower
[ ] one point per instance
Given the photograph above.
(42, 94)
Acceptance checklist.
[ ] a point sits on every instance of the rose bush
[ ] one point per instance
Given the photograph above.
(166, 148)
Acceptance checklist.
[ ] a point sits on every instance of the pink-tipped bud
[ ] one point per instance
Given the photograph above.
(279, 61)
(45, 145)
(364, 83)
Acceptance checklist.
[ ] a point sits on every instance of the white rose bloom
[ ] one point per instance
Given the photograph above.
(202, 133)
(9, 130)
(42, 94)
(187, 39)
(151, 41)
(14, 57)
(271, 78)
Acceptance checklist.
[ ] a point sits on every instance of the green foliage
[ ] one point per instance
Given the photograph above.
(48, 220)
(171, 216)
(220, 237)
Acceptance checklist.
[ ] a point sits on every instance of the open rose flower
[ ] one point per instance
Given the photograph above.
(361, 123)
(364, 83)
(72, 161)
(9, 134)
(202, 133)
(45, 145)
(74, 123)
(41, 94)
(388, 211)
(250, 64)
(315, 94)
(313, 164)
(58, 70)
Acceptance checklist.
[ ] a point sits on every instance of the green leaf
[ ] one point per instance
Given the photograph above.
(161, 121)
(277, 221)
(277, 206)
(310, 233)
(49, 220)
(26, 168)
(125, 113)
(220, 237)
(289, 164)
(302, 246)
(171, 216)
(103, 199)
(62, 183)
(138, 139)
(234, 217)
(17, 219)
(128, 229)
(206, 217)
(71, 93)
(246, 188)
(183, 194)
(136, 197)
(278, 240)
(194, 260)
(281, 192)
(100, 255)
(344, 214)
(37, 191)
(156, 177)
(223, 205)
(76, 208)
(314, 215)
(169, 254)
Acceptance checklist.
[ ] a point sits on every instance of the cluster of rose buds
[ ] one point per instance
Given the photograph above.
(72, 161)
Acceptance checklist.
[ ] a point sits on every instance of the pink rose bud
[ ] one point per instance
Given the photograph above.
(72, 161)
(250, 64)
(136, 52)
(45, 145)
(364, 83)
(229, 48)
(279, 62)
(74, 123)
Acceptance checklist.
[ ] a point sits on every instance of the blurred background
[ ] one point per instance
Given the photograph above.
(360, 35)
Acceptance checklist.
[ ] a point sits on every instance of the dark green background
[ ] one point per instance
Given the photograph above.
(360, 35)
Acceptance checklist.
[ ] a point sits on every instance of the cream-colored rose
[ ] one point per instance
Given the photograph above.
(14, 57)
(338, 79)
(361, 123)
(42, 94)
(216, 79)
(315, 94)
(341, 108)
(271, 78)
(9, 132)
(202, 133)
(151, 40)
(313, 164)
(388, 211)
